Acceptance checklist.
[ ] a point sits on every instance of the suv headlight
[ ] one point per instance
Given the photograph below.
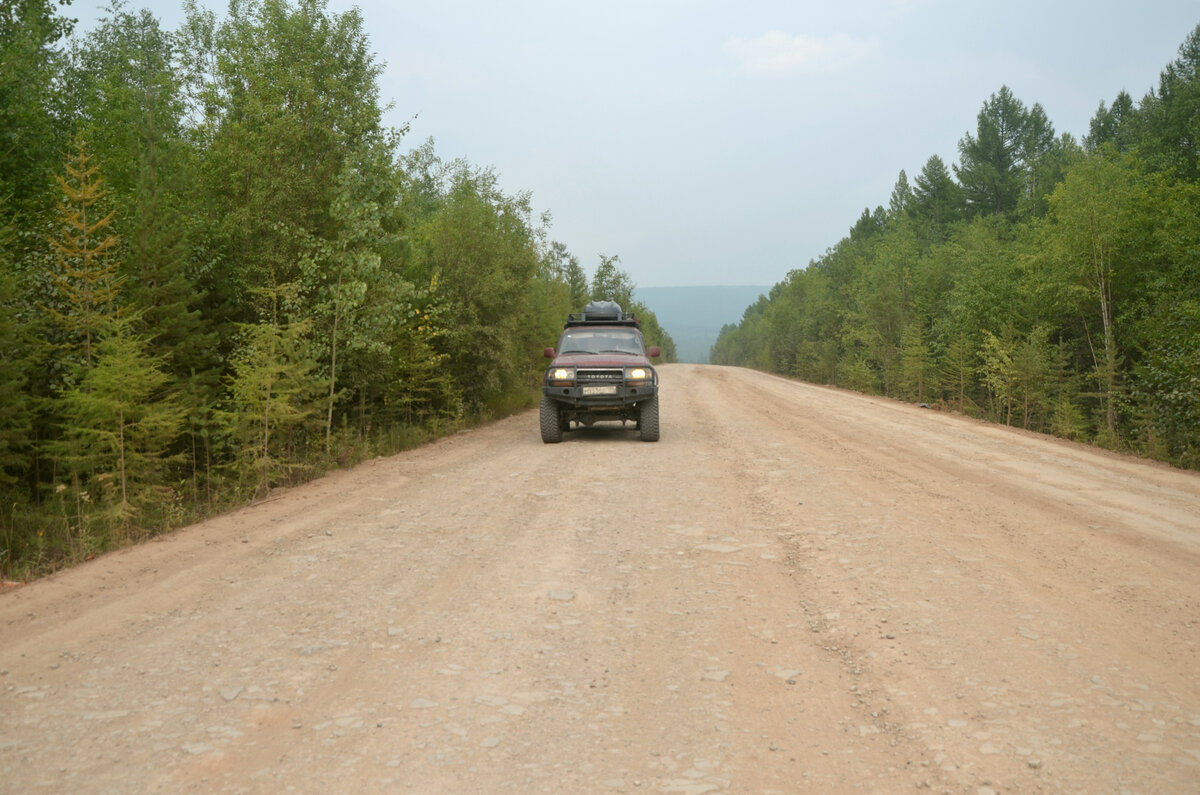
(639, 375)
(561, 376)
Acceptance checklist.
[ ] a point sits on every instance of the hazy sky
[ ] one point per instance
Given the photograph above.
(710, 143)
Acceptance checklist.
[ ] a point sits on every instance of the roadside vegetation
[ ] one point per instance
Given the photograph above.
(221, 273)
(1039, 282)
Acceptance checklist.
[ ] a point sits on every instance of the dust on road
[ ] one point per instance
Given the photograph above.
(796, 589)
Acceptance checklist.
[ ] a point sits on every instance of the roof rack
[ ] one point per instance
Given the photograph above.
(608, 313)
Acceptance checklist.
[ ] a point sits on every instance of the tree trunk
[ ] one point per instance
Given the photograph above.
(332, 376)
(1104, 283)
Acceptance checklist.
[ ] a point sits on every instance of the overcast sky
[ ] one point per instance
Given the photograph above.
(715, 143)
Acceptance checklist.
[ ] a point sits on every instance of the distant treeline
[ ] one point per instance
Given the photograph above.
(1042, 282)
(219, 273)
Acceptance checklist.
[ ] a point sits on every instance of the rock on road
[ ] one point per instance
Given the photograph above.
(798, 588)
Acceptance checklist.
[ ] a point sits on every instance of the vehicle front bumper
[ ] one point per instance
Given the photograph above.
(575, 397)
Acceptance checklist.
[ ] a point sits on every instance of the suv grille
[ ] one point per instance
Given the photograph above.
(599, 375)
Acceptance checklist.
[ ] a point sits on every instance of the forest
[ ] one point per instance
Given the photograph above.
(1040, 282)
(221, 273)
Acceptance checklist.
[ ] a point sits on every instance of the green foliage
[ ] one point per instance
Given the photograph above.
(998, 373)
(481, 248)
(1115, 126)
(918, 373)
(653, 331)
(1066, 417)
(1052, 286)
(1169, 118)
(937, 200)
(115, 421)
(261, 287)
(272, 396)
(129, 104)
(610, 283)
(339, 273)
(991, 171)
(86, 275)
(1088, 230)
(285, 97)
(131, 113)
(15, 346)
(1168, 381)
(119, 423)
(31, 139)
(958, 367)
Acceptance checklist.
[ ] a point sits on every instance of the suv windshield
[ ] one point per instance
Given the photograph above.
(608, 340)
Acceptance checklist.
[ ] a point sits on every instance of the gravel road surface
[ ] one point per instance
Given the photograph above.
(796, 589)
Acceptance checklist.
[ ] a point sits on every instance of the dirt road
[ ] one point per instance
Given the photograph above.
(796, 589)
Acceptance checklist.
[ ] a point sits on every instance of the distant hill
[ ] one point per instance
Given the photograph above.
(693, 316)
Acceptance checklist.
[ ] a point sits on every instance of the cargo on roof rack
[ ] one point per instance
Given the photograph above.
(606, 312)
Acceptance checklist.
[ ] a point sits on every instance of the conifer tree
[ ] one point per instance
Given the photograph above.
(936, 200)
(917, 367)
(1066, 419)
(1114, 125)
(15, 416)
(116, 421)
(85, 272)
(271, 393)
(1032, 360)
(999, 373)
(902, 197)
(958, 367)
(131, 108)
(119, 422)
(993, 166)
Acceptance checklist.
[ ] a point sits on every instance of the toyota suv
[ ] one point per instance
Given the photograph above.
(601, 371)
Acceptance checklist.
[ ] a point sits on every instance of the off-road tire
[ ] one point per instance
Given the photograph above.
(551, 420)
(648, 420)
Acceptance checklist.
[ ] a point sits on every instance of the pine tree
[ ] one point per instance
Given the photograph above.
(115, 420)
(1168, 116)
(271, 394)
(119, 422)
(999, 373)
(15, 417)
(958, 367)
(902, 197)
(85, 273)
(918, 371)
(993, 166)
(1066, 418)
(132, 111)
(1114, 125)
(1032, 359)
(936, 200)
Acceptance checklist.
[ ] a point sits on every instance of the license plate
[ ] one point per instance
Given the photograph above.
(607, 389)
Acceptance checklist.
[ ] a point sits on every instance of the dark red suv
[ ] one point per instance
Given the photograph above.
(601, 371)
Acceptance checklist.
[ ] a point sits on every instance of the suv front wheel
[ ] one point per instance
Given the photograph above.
(648, 419)
(551, 421)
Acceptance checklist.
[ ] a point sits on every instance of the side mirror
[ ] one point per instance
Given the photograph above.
(654, 352)
(548, 353)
